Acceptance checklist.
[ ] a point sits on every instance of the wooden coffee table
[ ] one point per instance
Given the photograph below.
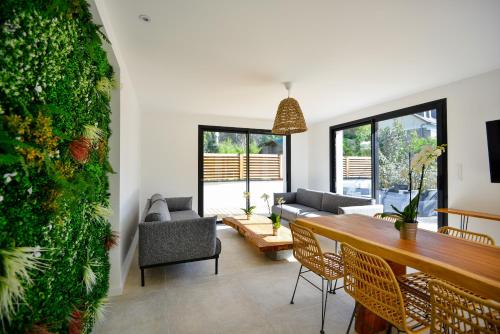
(258, 230)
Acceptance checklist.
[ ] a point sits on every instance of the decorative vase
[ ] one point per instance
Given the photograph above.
(408, 231)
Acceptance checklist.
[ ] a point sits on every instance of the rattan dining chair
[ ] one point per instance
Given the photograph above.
(388, 218)
(418, 282)
(328, 266)
(371, 282)
(459, 311)
(467, 235)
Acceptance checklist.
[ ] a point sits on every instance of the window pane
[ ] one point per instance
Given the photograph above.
(353, 161)
(397, 140)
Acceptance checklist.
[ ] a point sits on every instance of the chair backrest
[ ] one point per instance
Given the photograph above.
(467, 235)
(306, 249)
(391, 219)
(371, 282)
(461, 312)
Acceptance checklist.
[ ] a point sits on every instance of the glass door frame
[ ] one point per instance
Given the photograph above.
(441, 128)
(247, 132)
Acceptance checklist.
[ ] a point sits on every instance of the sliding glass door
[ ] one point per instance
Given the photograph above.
(398, 140)
(233, 161)
(371, 157)
(353, 161)
(267, 169)
(224, 172)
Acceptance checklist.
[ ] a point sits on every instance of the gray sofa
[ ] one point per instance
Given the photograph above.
(170, 232)
(311, 203)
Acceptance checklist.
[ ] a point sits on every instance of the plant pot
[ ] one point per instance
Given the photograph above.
(249, 216)
(275, 231)
(408, 231)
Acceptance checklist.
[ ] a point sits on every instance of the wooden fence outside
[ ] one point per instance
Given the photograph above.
(233, 167)
(357, 167)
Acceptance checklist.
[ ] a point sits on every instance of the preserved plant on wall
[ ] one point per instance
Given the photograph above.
(55, 84)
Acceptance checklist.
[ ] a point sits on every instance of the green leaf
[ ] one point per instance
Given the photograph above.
(398, 224)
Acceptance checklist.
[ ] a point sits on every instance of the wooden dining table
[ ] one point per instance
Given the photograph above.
(470, 265)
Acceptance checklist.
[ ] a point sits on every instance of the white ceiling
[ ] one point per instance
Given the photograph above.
(229, 57)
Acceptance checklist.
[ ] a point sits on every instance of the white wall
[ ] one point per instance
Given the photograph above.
(169, 153)
(124, 157)
(470, 103)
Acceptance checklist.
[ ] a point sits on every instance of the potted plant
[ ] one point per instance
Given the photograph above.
(248, 212)
(276, 221)
(406, 221)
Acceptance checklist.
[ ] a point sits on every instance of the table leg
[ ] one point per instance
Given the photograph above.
(368, 322)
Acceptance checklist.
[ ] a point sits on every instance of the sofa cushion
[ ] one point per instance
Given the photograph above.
(158, 212)
(156, 197)
(309, 198)
(354, 201)
(291, 211)
(185, 214)
(313, 214)
(180, 203)
(367, 210)
(330, 202)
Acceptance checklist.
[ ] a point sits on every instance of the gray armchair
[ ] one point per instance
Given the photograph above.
(171, 233)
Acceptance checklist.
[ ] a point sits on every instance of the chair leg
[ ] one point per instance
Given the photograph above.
(142, 276)
(350, 321)
(332, 291)
(216, 265)
(296, 283)
(324, 300)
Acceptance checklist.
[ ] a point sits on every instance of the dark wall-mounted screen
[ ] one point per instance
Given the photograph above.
(493, 134)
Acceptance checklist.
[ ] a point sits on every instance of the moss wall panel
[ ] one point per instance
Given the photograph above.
(55, 82)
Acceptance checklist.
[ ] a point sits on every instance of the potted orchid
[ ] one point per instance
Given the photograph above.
(248, 211)
(406, 221)
(275, 219)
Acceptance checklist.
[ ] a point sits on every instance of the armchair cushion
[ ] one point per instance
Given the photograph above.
(158, 212)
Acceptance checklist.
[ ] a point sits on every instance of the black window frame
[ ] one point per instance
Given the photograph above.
(441, 128)
(247, 132)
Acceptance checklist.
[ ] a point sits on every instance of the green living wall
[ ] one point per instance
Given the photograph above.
(55, 84)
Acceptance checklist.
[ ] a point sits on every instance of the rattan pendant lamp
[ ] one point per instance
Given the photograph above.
(289, 118)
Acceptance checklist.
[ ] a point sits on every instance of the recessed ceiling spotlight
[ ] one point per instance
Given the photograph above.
(145, 18)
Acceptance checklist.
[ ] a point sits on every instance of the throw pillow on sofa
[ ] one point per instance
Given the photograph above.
(156, 197)
(158, 212)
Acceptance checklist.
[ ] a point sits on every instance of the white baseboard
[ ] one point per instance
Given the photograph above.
(125, 267)
(115, 291)
(130, 256)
